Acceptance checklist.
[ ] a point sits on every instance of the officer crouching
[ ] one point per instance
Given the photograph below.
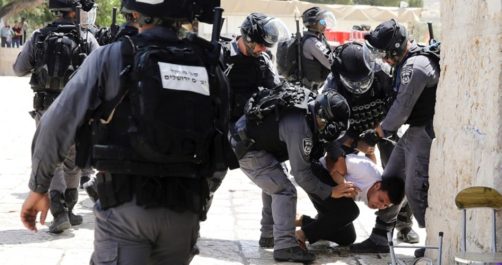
(298, 134)
(154, 159)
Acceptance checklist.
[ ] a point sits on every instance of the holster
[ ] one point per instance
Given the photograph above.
(43, 100)
(243, 143)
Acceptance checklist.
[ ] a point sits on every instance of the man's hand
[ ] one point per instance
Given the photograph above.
(347, 189)
(34, 203)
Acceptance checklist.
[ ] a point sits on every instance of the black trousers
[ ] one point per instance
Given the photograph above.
(334, 216)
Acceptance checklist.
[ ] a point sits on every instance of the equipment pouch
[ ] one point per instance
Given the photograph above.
(38, 101)
(105, 190)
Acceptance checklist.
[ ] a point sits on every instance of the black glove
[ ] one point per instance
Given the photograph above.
(370, 137)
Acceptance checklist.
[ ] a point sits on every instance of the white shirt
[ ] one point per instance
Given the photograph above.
(362, 172)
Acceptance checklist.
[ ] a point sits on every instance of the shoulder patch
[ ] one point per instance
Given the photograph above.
(307, 146)
(406, 74)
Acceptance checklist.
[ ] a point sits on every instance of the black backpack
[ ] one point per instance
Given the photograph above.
(288, 59)
(172, 111)
(268, 101)
(59, 51)
(433, 51)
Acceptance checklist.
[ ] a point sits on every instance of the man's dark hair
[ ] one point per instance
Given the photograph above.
(394, 186)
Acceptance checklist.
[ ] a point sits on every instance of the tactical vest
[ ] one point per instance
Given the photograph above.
(245, 76)
(423, 111)
(166, 137)
(312, 69)
(58, 50)
(368, 109)
(266, 134)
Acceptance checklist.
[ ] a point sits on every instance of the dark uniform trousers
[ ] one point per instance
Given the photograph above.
(334, 218)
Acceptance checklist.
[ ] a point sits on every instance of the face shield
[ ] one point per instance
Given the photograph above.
(373, 57)
(326, 19)
(273, 31)
(359, 86)
(88, 18)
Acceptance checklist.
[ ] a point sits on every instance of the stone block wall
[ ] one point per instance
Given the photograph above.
(7, 58)
(467, 150)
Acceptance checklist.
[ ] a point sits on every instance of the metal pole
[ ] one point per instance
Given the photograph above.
(494, 235)
(464, 219)
(391, 248)
(440, 248)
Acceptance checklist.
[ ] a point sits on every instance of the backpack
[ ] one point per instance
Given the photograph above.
(172, 111)
(268, 101)
(432, 51)
(288, 59)
(59, 51)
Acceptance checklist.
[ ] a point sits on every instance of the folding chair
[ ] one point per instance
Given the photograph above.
(421, 261)
(478, 197)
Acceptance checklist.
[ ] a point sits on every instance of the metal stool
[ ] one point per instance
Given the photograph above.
(419, 261)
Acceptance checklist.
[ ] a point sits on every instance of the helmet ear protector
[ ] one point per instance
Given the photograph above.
(397, 43)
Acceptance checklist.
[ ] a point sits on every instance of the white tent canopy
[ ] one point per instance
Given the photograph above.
(346, 15)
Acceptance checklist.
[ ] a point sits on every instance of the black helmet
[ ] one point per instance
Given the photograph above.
(314, 15)
(182, 10)
(262, 29)
(387, 39)
(332, 108)
(69, 5)
(349, 65)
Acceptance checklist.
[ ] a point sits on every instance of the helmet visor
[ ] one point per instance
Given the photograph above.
(360, 86)
(327, 19)
(274, 31)
(373, 57)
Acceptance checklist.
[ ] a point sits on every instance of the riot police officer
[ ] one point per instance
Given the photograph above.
(152, 190)
(248, 64)
(368, 90)
(114, 33)
(316, 51)
(416, 76)
(47, 83)
(297, 135)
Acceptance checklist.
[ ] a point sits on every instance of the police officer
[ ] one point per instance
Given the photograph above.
(416, 76)
(316, 51)
(248, 64)
(297, 135)
(150, 215)
(106, 36)
(114, 33)
(368, 90)
(63, 188)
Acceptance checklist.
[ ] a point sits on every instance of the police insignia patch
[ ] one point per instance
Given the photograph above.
(307, 146)
(406, 74)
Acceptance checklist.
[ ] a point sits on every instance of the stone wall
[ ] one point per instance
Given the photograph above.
(467, 150)
(7, 58)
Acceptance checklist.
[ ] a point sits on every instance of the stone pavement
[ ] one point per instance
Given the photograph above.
(230, 236)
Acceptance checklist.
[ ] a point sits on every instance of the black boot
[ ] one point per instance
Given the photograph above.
(294, 254)
(404, 224)
(71, 198)
(58, 210)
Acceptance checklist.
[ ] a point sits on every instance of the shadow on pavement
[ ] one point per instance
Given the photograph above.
(23, 236)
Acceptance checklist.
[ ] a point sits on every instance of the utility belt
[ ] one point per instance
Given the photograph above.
(243, 143)
(120, 160)
(150, 192)
(43, 99)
